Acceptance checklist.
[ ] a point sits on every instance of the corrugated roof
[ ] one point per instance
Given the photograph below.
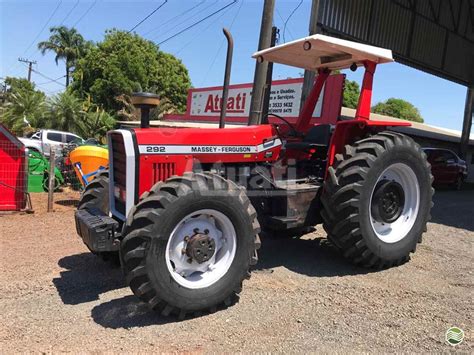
(419, 129)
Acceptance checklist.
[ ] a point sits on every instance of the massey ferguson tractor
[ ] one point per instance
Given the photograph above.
(183, 207)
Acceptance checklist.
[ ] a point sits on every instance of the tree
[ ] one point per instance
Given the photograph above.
(125, 62)
(65, 112)
(95, 124)
(129, 112)
(24, 108)
(398, 108)
(351, 94)
(68, 44)
(16, 84)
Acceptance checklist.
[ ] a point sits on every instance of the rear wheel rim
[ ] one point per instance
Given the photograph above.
(389, 230)
(203, 231)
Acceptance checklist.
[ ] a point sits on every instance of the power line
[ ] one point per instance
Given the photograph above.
(283, 21)
(69, 13)
(184, 21)
(30, 66)
(38, 35)
(202, 31)
(174, 18)
(146, 17)
(50, 81)
(85, 13)
(49, 78)
(222, 42)
(42, 29)
(197, 23)
(288, 18)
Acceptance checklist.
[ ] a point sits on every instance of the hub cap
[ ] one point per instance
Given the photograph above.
(394, 203)
(388, 201)
(201, 248)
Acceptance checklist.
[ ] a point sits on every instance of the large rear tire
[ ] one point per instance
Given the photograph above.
(377, 200)
(189, 244)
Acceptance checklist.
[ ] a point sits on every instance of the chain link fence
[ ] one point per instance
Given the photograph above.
(45, 193)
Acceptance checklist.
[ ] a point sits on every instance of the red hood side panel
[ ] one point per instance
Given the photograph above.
(245, 135)
(164, 152)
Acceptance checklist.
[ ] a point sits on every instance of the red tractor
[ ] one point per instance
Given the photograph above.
(184, 207)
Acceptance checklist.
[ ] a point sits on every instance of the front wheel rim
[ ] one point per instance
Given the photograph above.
(392, 231)
(202, 231)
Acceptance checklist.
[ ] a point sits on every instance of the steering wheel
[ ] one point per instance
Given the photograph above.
(293, 132)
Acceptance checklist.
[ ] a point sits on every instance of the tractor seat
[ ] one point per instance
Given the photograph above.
(317, 137)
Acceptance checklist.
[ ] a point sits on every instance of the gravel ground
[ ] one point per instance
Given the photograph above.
(302, 297)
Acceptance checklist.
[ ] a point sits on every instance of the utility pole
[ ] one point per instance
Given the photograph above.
(467, 122)
(308, 74)
(30, 66)
(268, 84)
(261, 68)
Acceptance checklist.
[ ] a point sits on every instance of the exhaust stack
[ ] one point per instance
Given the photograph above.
(145, 101)
(228, 66)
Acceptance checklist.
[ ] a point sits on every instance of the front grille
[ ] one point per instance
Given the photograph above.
(162, 171)
(119, 163)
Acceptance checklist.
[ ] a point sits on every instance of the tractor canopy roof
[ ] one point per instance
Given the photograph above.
(320, 51)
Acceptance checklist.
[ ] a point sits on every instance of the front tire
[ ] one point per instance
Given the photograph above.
(377, 200)
(189, 244)
(96, 195)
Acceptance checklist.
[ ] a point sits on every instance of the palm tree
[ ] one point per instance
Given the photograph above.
(24, 106)
(68, 45)
(66, 112)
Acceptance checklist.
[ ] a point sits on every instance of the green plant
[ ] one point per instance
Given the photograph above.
(24, 108)
(398, 108)
(65, 112)
(67, 44)
(125, 62)
(96, 123)
(351, 94)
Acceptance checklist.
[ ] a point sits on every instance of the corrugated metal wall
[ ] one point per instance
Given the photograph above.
(436, 36)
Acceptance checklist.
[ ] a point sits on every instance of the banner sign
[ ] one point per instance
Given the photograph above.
(203, 104)
(285, 100)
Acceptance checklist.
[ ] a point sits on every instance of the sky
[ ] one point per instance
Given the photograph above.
(202, 48)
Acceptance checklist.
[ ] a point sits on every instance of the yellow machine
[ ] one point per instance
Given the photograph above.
(87, 161)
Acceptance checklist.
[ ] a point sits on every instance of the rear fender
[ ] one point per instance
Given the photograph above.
(348, 132)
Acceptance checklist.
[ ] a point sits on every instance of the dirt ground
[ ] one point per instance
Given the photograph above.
(302, 297)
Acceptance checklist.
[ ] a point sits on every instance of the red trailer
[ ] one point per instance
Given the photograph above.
(13, 172)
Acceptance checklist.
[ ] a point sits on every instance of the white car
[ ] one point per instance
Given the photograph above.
(46, 139)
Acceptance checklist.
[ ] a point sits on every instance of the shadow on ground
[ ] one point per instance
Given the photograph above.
(86, 277)
(454, 208)
(312, 257)
(72, 202)
(127, 312)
